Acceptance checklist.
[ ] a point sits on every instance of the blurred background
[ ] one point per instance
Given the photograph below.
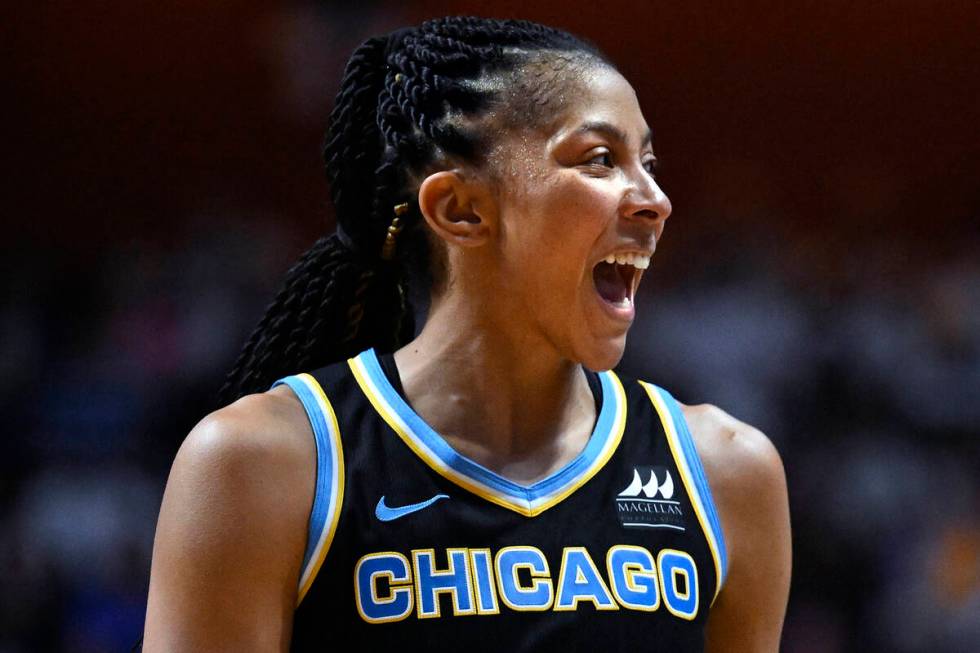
(820, 276)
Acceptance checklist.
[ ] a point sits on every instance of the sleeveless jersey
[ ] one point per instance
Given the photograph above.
(413, 546)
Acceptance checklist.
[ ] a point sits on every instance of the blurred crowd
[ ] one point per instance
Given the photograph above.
(871, 400)
(855, 348)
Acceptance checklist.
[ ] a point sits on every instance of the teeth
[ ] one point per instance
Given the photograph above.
(639, 261)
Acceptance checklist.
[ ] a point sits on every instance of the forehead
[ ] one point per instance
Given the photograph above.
(601, 97)
(584, 95)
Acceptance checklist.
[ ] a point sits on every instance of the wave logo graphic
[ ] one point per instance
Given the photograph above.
(648, 501)
(652, 487)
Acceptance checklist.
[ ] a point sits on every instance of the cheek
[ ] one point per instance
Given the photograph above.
(581, 217)
(572, 208)
(554, 228)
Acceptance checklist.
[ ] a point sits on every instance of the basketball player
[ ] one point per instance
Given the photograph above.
(480, 488)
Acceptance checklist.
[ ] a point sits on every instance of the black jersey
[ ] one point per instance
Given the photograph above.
(415, 547)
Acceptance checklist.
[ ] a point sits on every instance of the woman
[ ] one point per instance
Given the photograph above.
(479, 489)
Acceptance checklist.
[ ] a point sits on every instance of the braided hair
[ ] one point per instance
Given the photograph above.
(408, 100)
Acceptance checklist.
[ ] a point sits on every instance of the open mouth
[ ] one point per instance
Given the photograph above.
(617, 277)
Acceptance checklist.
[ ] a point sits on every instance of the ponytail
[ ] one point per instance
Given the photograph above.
(330, 307)
(393, 116)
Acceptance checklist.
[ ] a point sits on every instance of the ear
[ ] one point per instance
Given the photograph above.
(456, 209)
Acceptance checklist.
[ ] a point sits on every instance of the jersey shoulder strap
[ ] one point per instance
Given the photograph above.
(692, 473)
(328, 495)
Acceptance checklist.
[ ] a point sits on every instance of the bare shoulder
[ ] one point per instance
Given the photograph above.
(748, 485)
(254, 459)
(270, 427)
(257, 448)
(232, 529)
(738, 458)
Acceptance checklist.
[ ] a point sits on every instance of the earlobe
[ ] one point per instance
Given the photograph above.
(453, 208)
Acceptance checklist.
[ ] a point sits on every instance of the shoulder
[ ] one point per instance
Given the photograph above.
(748, 486)
(738, 458)
(745, 474)
(232, 528)
(254, 459)
(268, 433)
(268, 421)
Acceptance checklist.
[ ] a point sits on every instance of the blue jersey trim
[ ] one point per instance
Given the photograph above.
(700, 479)
(324, 467)
(601, 433)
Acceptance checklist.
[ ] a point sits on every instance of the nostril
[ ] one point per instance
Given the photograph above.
(648, 214)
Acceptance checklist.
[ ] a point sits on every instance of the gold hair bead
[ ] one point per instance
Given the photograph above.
(398, 78)
(388, 249)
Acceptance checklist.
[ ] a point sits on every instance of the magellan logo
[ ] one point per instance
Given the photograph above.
(650, 488)
(648, 501)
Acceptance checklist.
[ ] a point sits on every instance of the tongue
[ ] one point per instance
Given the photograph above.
(610, 283)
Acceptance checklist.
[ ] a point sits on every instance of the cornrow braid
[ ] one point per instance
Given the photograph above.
(394, 115)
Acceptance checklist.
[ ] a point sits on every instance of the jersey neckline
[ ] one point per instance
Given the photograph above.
(432, 448)
(388, 366)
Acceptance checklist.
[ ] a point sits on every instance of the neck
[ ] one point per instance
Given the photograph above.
(501, 398)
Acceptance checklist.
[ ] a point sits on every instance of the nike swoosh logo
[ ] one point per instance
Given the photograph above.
(384, 513)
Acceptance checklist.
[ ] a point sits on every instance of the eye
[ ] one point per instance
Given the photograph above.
(650, 165)
(603, 159)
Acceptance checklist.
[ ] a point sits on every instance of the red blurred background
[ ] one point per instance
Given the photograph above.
(162, 170)
(856, 121)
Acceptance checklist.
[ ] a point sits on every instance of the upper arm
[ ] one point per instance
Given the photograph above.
(749, 488)
(231, 533)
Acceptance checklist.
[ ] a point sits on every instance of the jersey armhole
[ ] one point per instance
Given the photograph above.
(328, 495)
(692, 472)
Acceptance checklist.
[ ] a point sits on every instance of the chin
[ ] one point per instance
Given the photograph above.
(605, 355)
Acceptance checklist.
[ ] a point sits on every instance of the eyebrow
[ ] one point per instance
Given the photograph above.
(612, 131)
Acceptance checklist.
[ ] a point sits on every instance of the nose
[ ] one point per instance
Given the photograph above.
(646, 201)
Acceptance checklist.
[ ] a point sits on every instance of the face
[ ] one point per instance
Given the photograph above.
(580, 215)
